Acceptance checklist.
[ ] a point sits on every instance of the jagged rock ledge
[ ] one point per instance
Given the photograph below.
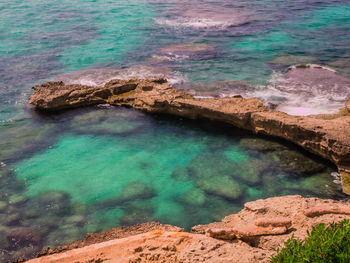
(252, 235)
(328, 138)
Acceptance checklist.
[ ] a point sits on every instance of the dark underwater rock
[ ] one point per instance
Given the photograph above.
(294, 162)
(57, 202)
(24, 237)
(261, 145)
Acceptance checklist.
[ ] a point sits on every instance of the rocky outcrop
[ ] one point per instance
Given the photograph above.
(252, 235)
(327, 138)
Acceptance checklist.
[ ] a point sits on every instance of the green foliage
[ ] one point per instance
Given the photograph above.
(323, 244)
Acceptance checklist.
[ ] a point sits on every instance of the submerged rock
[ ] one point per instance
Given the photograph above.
(289, 60)
(18, 200)
(193, 197)
(342, 66)
(110, 121)
(4, 243)
(250, 171)
(24, 237)
(320, 184)
(180, 174)
(21, 137)
(296, 163)
(3, 206)
(136, 190)
(57, 202)
(131, 192)
(261, 145)
(223, 186)
(63, 235)
(136, 212)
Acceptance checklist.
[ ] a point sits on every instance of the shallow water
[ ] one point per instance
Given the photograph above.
(87, 170)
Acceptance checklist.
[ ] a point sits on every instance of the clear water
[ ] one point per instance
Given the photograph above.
(88, 170)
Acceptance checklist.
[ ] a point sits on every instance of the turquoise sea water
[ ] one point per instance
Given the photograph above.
(86, 170)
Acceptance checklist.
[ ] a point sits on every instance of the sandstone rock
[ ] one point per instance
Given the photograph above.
(347, 105)
(253, 231)
(279, 221)
(24, 237)
(225, 234)
(326, 209)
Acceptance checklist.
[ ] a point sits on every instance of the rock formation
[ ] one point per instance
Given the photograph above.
(329, 139)
(248, 236)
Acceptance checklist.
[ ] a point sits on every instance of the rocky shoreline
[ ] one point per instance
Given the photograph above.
(252, 235)
(328, 137)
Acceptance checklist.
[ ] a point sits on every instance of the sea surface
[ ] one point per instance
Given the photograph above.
(86, 170)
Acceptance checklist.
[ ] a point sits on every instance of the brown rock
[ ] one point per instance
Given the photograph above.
(347, 105)
(326, 209)
(221, 233)
(277, 221)
(253, 231)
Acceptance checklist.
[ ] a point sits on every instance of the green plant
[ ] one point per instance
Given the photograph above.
(323, 244)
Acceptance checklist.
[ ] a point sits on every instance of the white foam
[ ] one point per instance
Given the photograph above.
(308, 101)
(99, 77)
(200, 23)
